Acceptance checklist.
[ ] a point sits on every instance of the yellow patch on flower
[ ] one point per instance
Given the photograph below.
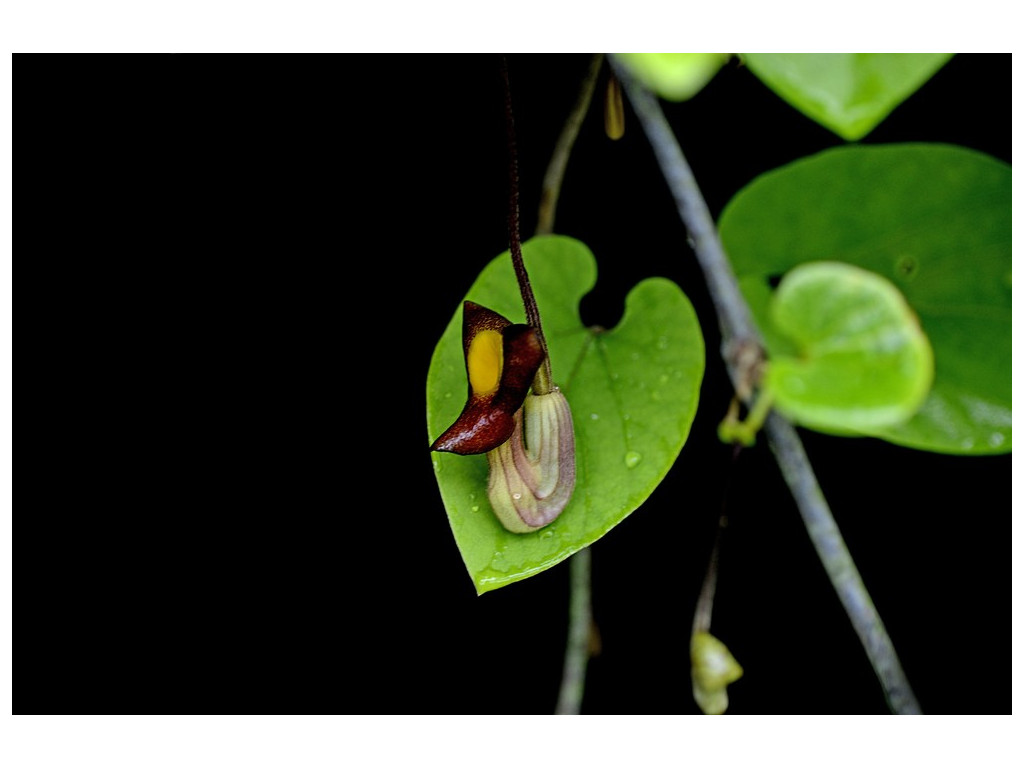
(484, 362)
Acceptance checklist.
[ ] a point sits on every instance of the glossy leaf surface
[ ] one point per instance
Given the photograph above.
(633, 392)
(848, 93)
(933, 219)
(863, 361)
(674, 76)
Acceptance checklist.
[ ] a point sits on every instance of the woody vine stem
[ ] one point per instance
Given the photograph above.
(742, 351)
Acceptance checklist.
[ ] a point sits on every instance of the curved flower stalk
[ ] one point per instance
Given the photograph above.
(528, 438)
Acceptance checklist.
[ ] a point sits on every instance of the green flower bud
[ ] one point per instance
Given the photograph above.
(614, 112)
(533, 473)
(712, 669)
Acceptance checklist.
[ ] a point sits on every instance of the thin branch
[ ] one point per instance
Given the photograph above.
(828, 542)
(741, 340)
(577, 646)
(552, 184)
(742, 352)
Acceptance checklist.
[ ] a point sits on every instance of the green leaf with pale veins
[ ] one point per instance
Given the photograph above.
(933, 219)
(633, 391)
(848, 93)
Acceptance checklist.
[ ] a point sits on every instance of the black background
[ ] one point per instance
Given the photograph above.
(281, 241)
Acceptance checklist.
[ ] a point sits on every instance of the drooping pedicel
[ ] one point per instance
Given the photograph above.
(528, 438)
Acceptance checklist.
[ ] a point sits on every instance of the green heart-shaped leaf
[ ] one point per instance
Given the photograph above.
(933, 219)
(674, 76)
(848, 93)
(864, 362)
(633, 392)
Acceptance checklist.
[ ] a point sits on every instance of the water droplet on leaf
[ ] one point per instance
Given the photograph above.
(632, 459)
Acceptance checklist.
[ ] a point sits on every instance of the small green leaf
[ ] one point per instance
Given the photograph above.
(674, 76)
(633, 392)
(848, 93)
(933, 219)
(863, 361)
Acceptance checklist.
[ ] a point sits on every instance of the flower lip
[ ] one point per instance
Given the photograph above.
(511, 355)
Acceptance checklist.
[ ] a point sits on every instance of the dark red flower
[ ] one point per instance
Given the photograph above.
(501, 360)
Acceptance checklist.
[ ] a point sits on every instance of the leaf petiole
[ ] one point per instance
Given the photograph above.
(735, 430)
